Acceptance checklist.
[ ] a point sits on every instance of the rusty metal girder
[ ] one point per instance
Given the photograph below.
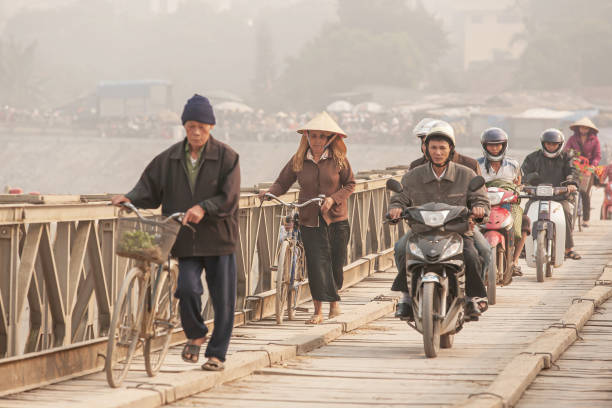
(57, 262)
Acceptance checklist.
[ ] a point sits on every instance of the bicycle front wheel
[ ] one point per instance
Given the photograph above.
(283, 277)
(163, 320)
(124, 332)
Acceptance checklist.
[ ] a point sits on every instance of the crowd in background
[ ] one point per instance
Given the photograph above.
(363, 127)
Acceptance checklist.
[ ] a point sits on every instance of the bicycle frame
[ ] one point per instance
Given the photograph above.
(288, 285)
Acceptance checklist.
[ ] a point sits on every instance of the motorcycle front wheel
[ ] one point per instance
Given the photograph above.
(431, 325)
(541, 258)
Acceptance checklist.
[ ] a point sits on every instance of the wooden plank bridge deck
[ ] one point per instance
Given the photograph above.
(382, 362)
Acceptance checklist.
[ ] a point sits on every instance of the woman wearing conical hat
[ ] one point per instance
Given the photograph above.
(585, 141)
(320, 166)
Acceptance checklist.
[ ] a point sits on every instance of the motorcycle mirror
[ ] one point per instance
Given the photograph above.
(532, 179)
(394, 185)
(476, 183)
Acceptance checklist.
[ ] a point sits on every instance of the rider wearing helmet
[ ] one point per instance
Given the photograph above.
(441, 180)
(504, 172)
(421, 130)
(553, 166)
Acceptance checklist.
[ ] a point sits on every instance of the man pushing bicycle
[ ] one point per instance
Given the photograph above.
(200, 176)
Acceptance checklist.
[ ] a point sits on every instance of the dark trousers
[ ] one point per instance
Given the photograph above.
(326, 251)
(586, 204)
(473, 266)
(221, 282)
(568, 211)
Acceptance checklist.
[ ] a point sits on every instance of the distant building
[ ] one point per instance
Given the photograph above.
(480, 30)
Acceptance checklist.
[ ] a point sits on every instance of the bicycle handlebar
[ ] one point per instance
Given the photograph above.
(318, 200)
(176, 216)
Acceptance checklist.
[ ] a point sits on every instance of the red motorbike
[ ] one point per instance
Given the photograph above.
(500, 235)
(606, 207)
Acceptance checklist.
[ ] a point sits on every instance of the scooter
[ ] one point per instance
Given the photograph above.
(500, 235)
(547, 248)
(606, 207)
(436, 268)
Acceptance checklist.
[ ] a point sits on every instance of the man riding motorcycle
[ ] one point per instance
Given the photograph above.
(441, 180)
(504, 172)
(553, 166)
(420, 131)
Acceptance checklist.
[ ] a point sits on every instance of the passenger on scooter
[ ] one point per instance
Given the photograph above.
(554, 166)
(420, 131)
(443, 181)
(504, 172)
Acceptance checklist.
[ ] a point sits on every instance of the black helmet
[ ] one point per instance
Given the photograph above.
(494, 136)
(552, 136)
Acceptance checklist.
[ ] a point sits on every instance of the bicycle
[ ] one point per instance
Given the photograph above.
(146, 309)
(291, 266)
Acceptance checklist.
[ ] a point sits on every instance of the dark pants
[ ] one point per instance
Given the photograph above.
(326, 247)
(473, 266)
(586, 204)
(221, 282)
(568, 211)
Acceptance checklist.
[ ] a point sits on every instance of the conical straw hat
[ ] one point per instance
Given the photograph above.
(323, 123)
(586, 122)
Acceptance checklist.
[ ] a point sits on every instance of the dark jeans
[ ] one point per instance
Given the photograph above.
(326, 249)
(473, 266)
(221, 282)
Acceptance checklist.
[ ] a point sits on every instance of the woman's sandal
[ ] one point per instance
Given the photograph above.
(191, 353)
(572, 255)
(315, 319)
(213, 365)
(333, 312)
(516, 270)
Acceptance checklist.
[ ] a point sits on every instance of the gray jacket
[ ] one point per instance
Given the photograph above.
(421, 187)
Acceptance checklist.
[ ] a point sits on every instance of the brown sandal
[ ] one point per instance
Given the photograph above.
(315, 319)
(334, 311)
(213, 365)
(191, 353)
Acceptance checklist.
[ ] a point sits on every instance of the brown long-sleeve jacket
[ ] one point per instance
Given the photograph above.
(421, 187)
(325, 178)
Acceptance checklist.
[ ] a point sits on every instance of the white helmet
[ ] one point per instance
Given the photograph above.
(422, 128)
(441, 128)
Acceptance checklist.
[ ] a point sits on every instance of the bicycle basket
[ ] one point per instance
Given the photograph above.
(150, 240)
(584, 182)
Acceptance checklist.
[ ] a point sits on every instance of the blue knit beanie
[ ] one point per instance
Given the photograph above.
(198, 108)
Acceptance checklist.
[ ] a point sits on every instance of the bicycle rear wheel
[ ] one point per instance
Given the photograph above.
(163, 319)
(283, 277)
(124, 332)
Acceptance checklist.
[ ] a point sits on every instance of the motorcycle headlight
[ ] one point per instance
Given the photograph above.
(453, 248)
(545, 191)
(415, 250)
(434, 218)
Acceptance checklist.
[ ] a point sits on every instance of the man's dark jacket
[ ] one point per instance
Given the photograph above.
(217, 190)
(551, 171)
(457, 158)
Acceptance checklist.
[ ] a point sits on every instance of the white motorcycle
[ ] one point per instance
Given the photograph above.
(546, 249)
